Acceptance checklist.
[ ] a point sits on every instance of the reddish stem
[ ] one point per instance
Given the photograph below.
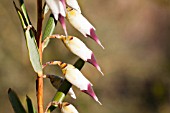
(39, 40)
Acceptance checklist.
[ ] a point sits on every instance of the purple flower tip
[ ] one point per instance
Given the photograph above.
(94, 63)
(61, 19)
(94, 37)
(91, 93)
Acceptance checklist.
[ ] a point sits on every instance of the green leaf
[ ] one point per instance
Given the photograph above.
(65, 86)
(16, 103)
(21, 17)
(23, 9)
(31, 42)
(49, 29)
(33, 50)
(30, 105)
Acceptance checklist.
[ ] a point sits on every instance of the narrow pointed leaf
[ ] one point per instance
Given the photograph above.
(31, 42)
(23, 9)
(15, 102)
(49, 29)
(21, 17)
(30, 105)
(65, 86)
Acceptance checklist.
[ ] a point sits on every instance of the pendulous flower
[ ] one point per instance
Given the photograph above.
(58, 10)
(75, 77)
(79, 22)
(67, 108)
(77, 47)
(56, 81)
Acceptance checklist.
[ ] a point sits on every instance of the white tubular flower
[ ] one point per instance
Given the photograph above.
(77, 47)
(79, 22)
(67, 108)
(74, 4)
(76, 78)
(56, 81)
(56, 7)
(58, 11)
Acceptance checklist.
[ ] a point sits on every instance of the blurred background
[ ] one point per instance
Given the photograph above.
(135, 61)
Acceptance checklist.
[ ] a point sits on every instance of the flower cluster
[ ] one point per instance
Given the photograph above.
(70, 10)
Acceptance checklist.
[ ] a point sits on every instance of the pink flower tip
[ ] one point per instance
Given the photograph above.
(61, 19)
(94, 37)
(91, 93)
(94, 63)
(99, 69)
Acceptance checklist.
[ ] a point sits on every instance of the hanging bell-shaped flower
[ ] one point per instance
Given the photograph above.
(79, 22)
(58, 10)
(77, 47)
(76, 78)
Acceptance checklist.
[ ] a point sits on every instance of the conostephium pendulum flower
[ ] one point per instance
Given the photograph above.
(75, 77)
(77, 47)
(56, 7)
(67, 108)
(58, 10)
(79, 22)
(56, 81)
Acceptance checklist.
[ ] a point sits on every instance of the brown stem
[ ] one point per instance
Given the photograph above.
(40, 94)
(39, 22)
(39, 40)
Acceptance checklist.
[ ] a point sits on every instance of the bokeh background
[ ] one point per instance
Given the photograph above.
(135, 61)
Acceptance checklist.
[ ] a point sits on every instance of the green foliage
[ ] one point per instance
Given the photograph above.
(23, 9)
(49, 29)
(33, 50)
(30, 106)
(30, 39)
(16, 103)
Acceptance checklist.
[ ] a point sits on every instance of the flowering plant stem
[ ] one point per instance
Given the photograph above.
(39, 40)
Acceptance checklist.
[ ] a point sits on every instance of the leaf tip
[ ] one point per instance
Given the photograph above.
(9, 90)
